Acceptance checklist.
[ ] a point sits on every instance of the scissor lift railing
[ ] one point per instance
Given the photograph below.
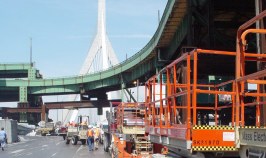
(175, 113)
(242, 78)
(250, 104)
(257, 94)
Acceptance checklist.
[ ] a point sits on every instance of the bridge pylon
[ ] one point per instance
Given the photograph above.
(100, 56)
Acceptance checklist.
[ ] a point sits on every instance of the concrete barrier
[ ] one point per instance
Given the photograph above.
(11, 129)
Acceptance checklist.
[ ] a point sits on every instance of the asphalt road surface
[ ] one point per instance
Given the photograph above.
(49, 147)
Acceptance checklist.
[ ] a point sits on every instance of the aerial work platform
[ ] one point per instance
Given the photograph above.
(191, 109)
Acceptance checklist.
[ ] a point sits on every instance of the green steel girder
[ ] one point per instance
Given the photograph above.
(23, 94)
(23, 70)
(109, 83)
(32, 73)
(143, 71)
(14, 74)
(130, 96)
(179, 36)
(16, 66)
(59, 89)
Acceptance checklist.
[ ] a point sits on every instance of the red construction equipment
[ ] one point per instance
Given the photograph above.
(129, 139)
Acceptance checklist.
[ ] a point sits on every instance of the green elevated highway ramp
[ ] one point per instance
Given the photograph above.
(140, 66)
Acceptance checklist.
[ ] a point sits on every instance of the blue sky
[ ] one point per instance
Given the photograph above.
(62, 30)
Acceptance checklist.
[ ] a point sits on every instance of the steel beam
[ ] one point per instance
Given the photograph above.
(79, 104)
(17, 110)
(23, 94)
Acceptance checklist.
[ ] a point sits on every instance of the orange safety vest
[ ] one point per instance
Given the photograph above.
(90, 133)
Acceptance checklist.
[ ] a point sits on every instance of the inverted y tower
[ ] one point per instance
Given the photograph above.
(101, 56)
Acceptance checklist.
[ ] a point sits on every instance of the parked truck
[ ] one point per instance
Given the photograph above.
(77, 132)
(45, 128)
(108, 129)
(62, 131)
(125, 134)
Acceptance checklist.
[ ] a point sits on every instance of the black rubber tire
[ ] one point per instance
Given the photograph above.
(74, 141)
(83, 141)
(105, 143)
(67, 141)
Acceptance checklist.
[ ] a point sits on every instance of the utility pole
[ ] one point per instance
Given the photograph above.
(137, 90)
(31, 51)
(57, 109)
(62, 117)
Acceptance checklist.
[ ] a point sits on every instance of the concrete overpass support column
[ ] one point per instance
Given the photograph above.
(4, 113)
(99, 110)
(103, 99)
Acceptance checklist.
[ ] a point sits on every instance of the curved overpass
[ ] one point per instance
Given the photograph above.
(140, 66)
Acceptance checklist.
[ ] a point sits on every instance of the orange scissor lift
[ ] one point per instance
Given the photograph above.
(176, 117)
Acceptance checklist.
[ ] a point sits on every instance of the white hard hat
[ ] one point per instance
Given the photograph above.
(90, 126)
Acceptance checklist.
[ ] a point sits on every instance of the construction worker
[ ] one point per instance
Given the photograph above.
(90, 140)
(3, 138)
(97, 137)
